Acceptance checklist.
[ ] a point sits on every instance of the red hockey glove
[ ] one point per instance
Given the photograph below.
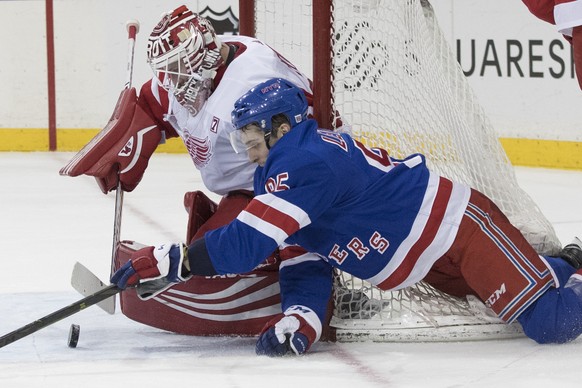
(293, 331)
(122, 149)
(153, 269)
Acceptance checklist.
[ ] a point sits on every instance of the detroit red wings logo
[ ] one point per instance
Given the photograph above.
(200, 150)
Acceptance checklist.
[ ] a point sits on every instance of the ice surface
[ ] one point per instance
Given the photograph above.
(49, 222)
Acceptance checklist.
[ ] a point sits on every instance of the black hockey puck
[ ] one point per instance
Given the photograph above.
(74, 335)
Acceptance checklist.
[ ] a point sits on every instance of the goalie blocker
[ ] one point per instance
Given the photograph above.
(122, 149)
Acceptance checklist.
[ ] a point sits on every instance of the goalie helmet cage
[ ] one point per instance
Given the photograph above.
(386, 68)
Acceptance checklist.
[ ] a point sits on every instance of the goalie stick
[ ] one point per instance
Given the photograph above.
(58, 315)
(132, 30)
(86, 283)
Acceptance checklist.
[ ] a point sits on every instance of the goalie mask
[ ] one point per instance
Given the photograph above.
(184, 53)
(260, 104)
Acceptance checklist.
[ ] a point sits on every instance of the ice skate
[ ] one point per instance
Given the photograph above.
(572, 253)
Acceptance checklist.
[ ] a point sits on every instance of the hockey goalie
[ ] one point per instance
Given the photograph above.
(197, 78)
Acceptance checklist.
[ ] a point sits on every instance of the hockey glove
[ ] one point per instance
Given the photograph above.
(153, 269)
(121, 150)
(289, 332)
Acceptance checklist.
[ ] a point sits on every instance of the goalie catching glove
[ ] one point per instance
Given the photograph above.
(293, 331)
(154, 269)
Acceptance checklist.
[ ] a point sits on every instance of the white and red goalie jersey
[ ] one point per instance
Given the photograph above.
(207, 135)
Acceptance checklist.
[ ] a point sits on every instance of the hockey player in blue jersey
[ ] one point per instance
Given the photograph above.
(326, 200)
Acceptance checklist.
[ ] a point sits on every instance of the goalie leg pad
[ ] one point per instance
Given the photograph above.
(229, 207)
(200, 208)
(205, 305)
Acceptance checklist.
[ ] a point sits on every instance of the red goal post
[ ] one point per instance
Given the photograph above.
(385, 66)
(321, 70)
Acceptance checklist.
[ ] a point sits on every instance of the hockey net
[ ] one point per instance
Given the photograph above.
(391, 75)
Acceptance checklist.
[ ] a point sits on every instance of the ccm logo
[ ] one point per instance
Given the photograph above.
(496, 295)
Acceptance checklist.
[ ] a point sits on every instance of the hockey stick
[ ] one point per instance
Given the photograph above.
(132, 30)
(87, 283)
(58, 315)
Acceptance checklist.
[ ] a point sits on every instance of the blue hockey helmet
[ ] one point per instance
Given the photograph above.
(269, 99)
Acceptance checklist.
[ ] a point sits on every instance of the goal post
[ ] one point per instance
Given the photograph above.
(386, 69)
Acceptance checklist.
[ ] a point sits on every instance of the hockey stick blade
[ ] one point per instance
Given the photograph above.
(58, 315)
(87, 283)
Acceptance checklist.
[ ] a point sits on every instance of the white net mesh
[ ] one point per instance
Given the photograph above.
(418, 313)
(397, 84)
